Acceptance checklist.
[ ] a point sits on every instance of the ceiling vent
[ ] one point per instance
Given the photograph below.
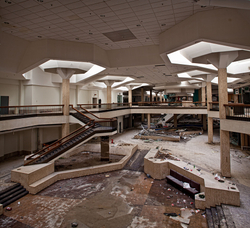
(120, 35)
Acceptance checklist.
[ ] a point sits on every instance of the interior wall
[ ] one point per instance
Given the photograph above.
(10, 88)
(42, 95)
(83, 97)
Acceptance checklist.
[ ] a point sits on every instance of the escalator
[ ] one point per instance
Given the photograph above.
(91, 127)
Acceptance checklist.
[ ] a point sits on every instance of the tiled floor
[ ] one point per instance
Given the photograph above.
(117, 199)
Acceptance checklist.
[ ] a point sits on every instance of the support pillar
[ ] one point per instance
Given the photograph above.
(210, 130)
(130, 97)
(175, 120)
(224, 135)
(221, 62)
(149, 121)
(65, 102)
(203, 94)
(236, 98)
(160, 96)
(204, 122)
(142, 100)
(150, 96)
(104, 148)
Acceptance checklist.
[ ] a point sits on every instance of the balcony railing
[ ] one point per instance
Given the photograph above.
(214, 106)
(9, 111)
(104, 106)
(238, 111)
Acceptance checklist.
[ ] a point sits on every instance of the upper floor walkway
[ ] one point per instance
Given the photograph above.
(18, 117)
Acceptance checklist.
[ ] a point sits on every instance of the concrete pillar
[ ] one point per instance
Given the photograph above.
(209, 119)
(142, 100)
(204, 122)
(65, 102)
(104, 148)
(149, 121)
(224, 135)
(109, 94)
(203, 94)
(175, 120)
(236, 98)
(130, 97)
(160, 96)
(150, 96)
(142, 94)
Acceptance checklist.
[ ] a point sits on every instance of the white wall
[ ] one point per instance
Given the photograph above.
(103, 96)
(83, 97)
(42, 95)
(10, 88)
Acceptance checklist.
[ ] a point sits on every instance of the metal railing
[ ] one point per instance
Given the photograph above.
(32, 158)
(104, 106)
(238, 111)
(6, 111)
(105, 122)
(214, 106)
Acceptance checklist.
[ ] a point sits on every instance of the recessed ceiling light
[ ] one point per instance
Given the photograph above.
(8, 2)
(102, 15)
(40, 0)
(90, 33)
(163, 24)
(39, 36)
(7, 23)
(77, 38)
(138, 25)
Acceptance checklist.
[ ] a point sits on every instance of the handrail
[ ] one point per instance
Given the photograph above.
(111, 119)
(60, 140)
(81, 113)
(26, 106)
(237, 105)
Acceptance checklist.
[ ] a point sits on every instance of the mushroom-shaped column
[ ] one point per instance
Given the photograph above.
(221, 63)
(65, 74)
(130, 87)
(209, 99)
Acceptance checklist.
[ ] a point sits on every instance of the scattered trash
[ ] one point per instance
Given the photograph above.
(184, 201)
(8, 208)
(203, 213)
(168, 197)
(171, 214)
(106, 175)
(183, 209)
(197, 211)
(222, 181)
(202, 196)
(217, 177)
(74, 224)
(191, 203)
(172, 204)
(185, 168)
(169, 189)
(148, 175)
(18, 203)
(198, 170)
(109, 212)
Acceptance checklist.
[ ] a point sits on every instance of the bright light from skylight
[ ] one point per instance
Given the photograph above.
(183, 75)
(229, 80)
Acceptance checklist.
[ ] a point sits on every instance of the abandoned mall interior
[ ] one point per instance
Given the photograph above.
(124, 113)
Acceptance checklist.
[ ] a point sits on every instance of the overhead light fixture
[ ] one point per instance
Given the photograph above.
(138, 25)
(8, 1)
(77, 38)
(102, 15)
(39, 36)
(163, 24)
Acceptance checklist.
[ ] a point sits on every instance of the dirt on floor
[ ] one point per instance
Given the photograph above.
(84, 159)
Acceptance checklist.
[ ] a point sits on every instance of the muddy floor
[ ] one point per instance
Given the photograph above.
(84, 159)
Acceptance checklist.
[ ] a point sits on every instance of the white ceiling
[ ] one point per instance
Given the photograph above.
(87, 20)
